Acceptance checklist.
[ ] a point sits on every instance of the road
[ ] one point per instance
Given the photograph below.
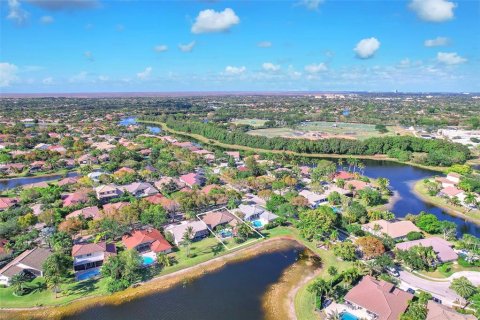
(439, 289)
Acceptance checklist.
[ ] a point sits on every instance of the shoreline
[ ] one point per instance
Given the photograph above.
(158, 284)
(428, 199)
(380, 157)
(58, 173)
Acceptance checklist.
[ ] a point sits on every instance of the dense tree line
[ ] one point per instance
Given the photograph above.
(439, 152)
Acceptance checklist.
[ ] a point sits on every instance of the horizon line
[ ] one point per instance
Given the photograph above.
(209, 93)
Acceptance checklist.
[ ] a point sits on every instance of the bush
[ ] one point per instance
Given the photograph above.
(414, 235)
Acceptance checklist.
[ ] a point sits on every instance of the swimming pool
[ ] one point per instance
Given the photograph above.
(88, 274)
(147, 260)
(225, 233)
(347, 316)
(257, 223)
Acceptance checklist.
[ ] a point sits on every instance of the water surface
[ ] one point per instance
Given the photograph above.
(234, 292)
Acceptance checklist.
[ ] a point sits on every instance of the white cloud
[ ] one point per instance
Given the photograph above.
(310, 4)
(366, 48)
(160, 48)
(433, 10)
(16, 13)
(270, 67)
(450, 58)
(437, 42)
(103, 78)
(80, 77)
(212, 21)
(8, 74)
(316, 68)
(88, 55)
(264, 44)
(46, 19)
(231, 70)
(145, 73)
(188, 47)
(47, 80)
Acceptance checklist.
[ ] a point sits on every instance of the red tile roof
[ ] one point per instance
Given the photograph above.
(152, 236)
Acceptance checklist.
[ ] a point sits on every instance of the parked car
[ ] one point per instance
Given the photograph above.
(437, 300)
(393, 271)
(410, 290)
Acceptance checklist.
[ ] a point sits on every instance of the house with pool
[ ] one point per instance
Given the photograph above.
(377, 299)
(257, 215)
(89, 257)
(148, 242)
(177, 230)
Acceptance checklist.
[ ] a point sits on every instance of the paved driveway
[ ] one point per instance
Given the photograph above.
(439, 289)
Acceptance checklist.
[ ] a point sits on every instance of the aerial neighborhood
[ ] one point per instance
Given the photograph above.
(111, 204)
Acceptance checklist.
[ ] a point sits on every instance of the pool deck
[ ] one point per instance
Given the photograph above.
(339, 307)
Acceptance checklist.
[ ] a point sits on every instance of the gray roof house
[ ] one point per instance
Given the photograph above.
(30, 261)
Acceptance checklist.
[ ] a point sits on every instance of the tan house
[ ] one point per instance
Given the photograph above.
(395, 229)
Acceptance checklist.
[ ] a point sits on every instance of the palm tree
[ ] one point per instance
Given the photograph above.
(334, 315)
(18, 283)
(361, 167)
(463, 287)
(470, 198)
(187, 239)
(454, 201)
(163, 259)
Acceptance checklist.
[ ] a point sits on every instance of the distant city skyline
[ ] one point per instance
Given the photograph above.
(60, 46)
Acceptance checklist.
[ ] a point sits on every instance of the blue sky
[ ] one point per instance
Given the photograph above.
(307, 45)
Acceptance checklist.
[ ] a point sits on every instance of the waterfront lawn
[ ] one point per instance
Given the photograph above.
(40, 296)
(460, 211)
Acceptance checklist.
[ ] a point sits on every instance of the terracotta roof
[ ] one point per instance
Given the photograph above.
(191, 178)
(152, 236)
(344, 175)
(209, 188)
(87, 248)
(6, 203)
(437, 311)
(112, 207)
(75, 198)
(88, 212)
(451, 191)
(357, 184)
(379, 297)
(124, 169)
(155, 199)
(67, 181)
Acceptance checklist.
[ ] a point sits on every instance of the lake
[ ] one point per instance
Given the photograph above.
(17, 182)
(132, 121)
(234, 292)
(402, 177)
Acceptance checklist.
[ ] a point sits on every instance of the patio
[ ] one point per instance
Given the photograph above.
(339, 307)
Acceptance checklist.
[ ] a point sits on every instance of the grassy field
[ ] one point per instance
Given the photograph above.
(472, 215)
(256, 123)
(322, 129)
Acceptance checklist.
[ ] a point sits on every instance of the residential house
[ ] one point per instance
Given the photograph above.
(234, 154)
(193, 179)
(379, 298)
(451, 192)
(356, 185)
(107, 192)
(124, 170)
(113, 208)
(343, 175)
(146, 240)
(140, 189)
(177, 230)
(217, 218)
(91, 255)
(252, 213)
(314, 199)
(68, 181)
(7, 203)
(397, 230)
(454, 177)
(164, 181)
(86, 213)
(442, 247)
(75, 198)
(87, 159)
(30, 262)
(437, 311)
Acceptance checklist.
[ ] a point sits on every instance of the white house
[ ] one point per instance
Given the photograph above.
(91, 255)
(30, 262)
